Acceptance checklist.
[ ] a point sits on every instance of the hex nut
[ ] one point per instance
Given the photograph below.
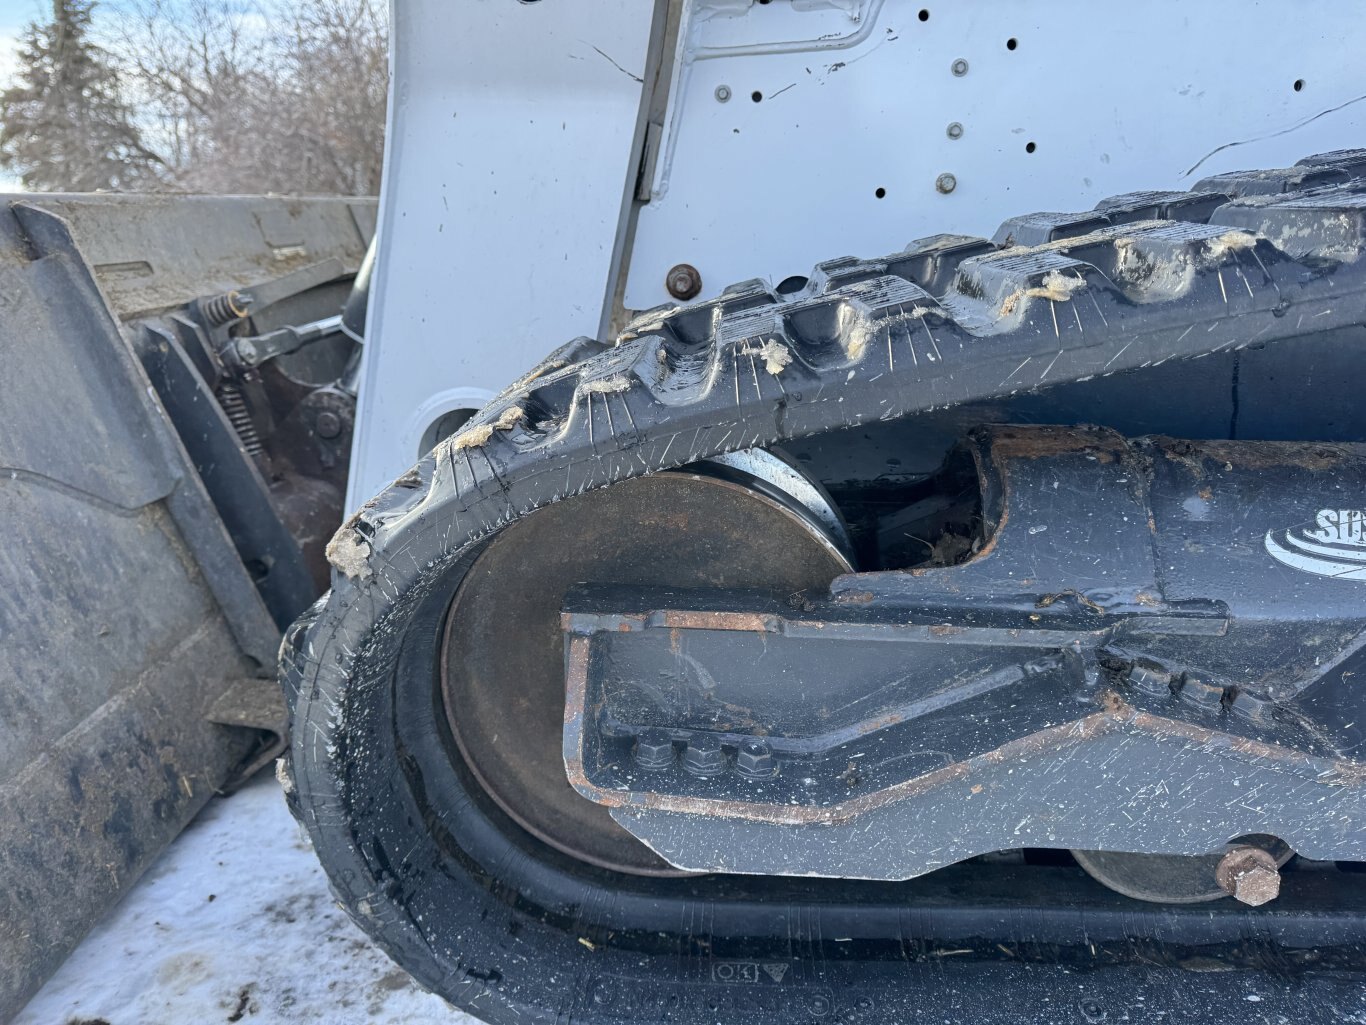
(683, 281)
(703, 756)
(959, 67)
(754, 760)
(946, 183)
(722, 93)
(654, 751)
(955, 130)
(1250, 875)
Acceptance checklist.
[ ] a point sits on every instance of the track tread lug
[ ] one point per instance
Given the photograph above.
(1351, 160)
(933, 262)
(1323, 224)
(1195, 207)
(1237, 184)
(1040, 228)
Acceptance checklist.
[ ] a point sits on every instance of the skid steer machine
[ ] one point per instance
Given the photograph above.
(967, 630)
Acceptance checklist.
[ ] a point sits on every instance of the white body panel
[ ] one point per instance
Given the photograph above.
(514, 130)
(1115, 97)
(511, 128)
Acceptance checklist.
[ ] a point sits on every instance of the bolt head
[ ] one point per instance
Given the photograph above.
(1092, 1010)
(959, 67)
(328, 425)
(683, 281)
(1257, 886)
(954, 131)
(654, 751)
(1250, 875)
(946, 183)
(703, 756)
(722, 93)
(754, 760)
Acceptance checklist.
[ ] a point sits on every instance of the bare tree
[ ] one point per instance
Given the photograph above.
(340, 69)
(241, 98)
(64, 123)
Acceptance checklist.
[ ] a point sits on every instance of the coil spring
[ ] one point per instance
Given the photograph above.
(235, 407)
(225, 308)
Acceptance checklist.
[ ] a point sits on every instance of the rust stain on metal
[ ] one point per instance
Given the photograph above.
(1043, 443)
(1111, 702)
(880, 723)
(989, 545)
(948, 574)
(576, 692)
(1113, 713)
(755, 622)
(576, 678)
(1250, 455)
(1269, 455)
(1051, 599)
(1335, 772)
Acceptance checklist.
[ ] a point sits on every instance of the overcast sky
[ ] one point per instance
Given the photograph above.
(14, 15)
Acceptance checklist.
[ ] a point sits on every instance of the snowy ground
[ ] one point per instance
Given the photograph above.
(233, 923)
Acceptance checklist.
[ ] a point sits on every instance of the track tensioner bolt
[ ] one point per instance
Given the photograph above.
(1249, 874)
(654, 751)
(703, 756)
(754, 760)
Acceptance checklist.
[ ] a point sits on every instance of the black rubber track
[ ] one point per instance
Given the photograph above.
(514, 933)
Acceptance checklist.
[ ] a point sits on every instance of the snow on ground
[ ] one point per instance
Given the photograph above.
(234, 924)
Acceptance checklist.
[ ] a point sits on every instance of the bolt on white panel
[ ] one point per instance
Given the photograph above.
(801, 131)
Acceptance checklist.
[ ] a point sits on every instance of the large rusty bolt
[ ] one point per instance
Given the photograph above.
(328, 425)
(1249, 874)
(683, 281)
(654, 751)
(754, 760)
(703, 756)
